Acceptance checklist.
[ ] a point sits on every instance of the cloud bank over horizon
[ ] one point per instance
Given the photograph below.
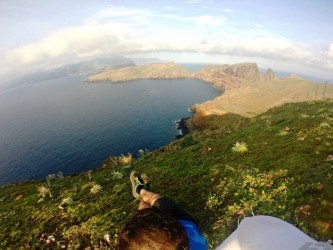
(218, 32)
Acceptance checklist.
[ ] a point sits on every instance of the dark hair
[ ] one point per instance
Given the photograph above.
(152, 228)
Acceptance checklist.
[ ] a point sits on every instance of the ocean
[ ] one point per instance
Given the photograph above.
(69, 126)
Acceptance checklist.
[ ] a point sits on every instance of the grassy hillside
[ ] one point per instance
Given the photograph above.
(279, 163)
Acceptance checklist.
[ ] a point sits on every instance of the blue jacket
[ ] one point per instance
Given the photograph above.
(197, 240)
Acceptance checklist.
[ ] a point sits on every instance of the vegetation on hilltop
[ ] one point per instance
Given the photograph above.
(279, 163)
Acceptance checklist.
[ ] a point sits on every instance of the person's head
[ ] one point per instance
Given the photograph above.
(152, 228)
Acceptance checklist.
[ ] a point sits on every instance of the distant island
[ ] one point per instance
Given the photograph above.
(90, 67)
(246, 91)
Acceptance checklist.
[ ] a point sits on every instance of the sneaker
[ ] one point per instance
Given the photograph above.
(137, 184)
(146, 181)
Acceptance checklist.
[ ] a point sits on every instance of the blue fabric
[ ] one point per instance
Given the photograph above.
(197, 240)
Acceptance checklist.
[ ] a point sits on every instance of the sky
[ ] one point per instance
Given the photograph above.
(286, 35)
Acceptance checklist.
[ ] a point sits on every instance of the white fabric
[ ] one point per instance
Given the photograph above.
(269, 233)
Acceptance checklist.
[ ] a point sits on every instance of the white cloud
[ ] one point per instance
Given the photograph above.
(259, 26)
(328, 58)
(122, 14)
(171, 8)
(209, 20)
(193, 1)
(267, 47)
(330, 51)
(125, 30)
(201, 20)
(69, 45)
(228, 10)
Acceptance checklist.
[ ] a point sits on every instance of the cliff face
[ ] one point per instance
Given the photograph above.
(153, 71)
(229, 76)
(217, 77)
(247, 71)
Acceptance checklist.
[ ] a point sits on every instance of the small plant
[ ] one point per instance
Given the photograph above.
(96, 189)
(239, 147)
(89, 174)
(324, 125)
(116, 175)
(90, 184)
(19, 197)
(44, 191)
(126, 160)
(49, 178)
(264, 117)
(282, 133)
(143, 153)
(66, 202)
(107, 238)
(305, 116)
(60, 175)
(188, 140)
(213, 201)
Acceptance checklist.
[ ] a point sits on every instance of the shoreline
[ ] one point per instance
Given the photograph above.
(181, 127)
(110, 81)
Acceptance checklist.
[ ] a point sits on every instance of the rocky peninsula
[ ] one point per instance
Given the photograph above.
(246, 91)
(223, 77)
(167, 70)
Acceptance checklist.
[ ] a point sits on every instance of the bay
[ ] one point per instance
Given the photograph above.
(69, 126)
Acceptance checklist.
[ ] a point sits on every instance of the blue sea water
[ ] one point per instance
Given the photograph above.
(69, 126)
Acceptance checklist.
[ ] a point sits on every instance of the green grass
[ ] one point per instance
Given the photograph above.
(286, 172)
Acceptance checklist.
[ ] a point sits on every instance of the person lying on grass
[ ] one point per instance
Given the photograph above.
(159, 223)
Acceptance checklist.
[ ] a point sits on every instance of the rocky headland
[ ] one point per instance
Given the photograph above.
(246, 91)
(223, 77)
(167, 70)
(227, 76)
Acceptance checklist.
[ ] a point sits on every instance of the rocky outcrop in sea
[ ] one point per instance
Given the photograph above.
(182, 128)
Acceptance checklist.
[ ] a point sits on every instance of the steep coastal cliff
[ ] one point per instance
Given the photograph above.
(229, 76)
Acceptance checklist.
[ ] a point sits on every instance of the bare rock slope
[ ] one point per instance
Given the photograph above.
(229, 76)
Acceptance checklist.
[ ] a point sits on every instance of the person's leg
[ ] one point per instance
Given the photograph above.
(143, 205)
(165, 204)
(140, 186)
(148, 196)
(139, 183)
